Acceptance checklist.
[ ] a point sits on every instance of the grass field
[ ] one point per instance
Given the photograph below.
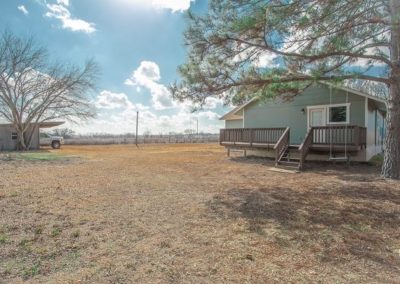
(189, 214)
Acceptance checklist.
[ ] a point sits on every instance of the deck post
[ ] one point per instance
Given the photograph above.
(228, 152)
(356, 137)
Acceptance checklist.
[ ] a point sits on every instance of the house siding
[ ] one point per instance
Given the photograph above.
(236, 123)
(376, 129)
(8, 144)
(289, 114)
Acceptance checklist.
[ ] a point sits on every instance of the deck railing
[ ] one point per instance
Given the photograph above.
(351, 135)
(251, 135)
(282, 145)
(305, 147)
(279, 138)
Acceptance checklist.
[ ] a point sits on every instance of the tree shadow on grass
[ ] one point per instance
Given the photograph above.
(356, 172)
(344, 222)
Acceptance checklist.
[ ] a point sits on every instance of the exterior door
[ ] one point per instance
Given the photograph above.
(317, 117)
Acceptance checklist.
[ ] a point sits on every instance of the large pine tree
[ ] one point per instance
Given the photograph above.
(244, 48)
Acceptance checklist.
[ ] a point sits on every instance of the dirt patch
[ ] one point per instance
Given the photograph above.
(189, 214)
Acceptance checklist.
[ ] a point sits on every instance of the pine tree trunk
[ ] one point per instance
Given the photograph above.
(391, 163)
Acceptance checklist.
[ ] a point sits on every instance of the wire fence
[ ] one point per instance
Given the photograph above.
(148, 139)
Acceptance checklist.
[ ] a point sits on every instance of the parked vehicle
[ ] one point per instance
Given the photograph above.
(54, 141)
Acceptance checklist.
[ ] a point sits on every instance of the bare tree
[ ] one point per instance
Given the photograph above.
(33, 90)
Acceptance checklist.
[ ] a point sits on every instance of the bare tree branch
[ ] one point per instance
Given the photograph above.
(33, 91)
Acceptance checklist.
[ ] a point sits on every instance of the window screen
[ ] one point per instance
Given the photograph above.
(338, 114)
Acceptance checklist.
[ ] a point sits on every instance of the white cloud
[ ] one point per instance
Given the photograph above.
(174, 5)
(265, 60)
(125, 122)
(61, 12)
(210, 115)
(259, 59)
(212, 103)
(110, 100)
(178, 122)
(63, 2)
(162, 99)
(147, 76)
(121, 118)
(148, 71)
(297, 42)
(23, 9)
(374, 51)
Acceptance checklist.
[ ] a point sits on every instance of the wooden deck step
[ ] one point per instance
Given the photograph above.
(289, 163)
(286, 161)
(285, 170)
(295, 160)
(290, 168)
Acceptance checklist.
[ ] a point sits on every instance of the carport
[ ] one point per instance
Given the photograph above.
(8, 135)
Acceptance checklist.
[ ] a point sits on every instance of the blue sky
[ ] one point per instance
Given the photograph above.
(138, 45)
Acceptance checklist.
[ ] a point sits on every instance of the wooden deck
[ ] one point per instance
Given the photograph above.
(314, 147)
(322, 139)
(251, 137)
(248, 145)
(323, 148)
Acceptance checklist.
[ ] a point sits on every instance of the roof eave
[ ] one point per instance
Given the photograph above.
(235, 110)
(356, 92)
(51, 124)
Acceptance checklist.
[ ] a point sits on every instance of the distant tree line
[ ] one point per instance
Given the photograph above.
(69, 134)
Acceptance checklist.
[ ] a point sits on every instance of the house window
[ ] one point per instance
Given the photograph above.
(338, 114)
(14, 136)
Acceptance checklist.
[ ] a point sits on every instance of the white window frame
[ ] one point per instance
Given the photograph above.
(347, 105)
(308, 113)
(327, 109)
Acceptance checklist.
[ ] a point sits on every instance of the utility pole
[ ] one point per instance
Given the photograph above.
(137, 127)
(197, 126)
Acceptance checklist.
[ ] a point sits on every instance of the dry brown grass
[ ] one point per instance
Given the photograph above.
(189, 214)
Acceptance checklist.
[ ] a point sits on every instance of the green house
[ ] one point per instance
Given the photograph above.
(324, 122)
